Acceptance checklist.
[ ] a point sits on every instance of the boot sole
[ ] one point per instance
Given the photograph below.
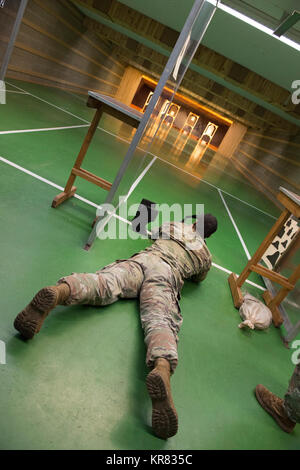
(31, 319)
(273, 414)
(164, 415)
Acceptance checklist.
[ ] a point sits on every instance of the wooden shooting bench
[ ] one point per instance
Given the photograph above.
(291, 203)
(102, 104)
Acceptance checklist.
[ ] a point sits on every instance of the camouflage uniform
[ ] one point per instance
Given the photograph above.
(292, 398)
(155, 275)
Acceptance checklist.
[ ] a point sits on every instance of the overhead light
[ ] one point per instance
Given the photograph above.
(254, 23)
(288, 23)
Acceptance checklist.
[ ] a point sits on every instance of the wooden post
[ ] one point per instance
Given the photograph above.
(284, 290)
(291, 203)
(69, 188)
(262, 249)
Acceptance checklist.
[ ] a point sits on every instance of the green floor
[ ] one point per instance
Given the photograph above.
(80, 383)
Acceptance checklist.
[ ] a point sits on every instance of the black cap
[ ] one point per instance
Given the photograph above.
(210, 225)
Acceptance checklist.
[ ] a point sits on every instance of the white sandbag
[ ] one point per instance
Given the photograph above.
(254, 313)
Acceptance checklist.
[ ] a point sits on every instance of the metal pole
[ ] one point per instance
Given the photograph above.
(12, 39)
(193, 15)
(157, 92)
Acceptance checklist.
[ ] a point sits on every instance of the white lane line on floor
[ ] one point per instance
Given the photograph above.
(17, 92)
(235, 226)
(90, 203)
(132, 188)
(28, 172)
(165, 161)
(140, 177)
(190, 174)
(51, 104)
(229, 272)
(216, 187)
(54, 185)
(74, 115)
(45, 129)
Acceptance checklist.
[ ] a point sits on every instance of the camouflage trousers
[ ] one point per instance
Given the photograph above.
(145, 276)
(292, 397)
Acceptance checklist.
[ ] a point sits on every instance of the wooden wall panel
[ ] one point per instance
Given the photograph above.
(270, 160)
(6, 25)
(40, 67)
(129, 85)
(232, 139)
(29, 40)
(54, 47)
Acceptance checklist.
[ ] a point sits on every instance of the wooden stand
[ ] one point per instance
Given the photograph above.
(291, 202)
(109, 106)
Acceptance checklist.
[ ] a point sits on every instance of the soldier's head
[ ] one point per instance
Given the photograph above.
(210, 225)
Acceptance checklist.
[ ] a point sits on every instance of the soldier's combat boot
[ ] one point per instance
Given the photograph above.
(31, 319)
(274, 406)
(164, 415)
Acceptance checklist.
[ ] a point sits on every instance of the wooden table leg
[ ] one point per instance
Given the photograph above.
(235, 290)
(70, 189)
(235, 282)
(263, 247)
(276, 315)
(61, 197)
(273, 302)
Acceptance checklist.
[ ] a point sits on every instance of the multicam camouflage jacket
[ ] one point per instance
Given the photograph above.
(184, 249)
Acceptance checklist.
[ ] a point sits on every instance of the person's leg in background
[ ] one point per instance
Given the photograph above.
(118, 280)
(286, 412)
(161, 320)
(291, 402)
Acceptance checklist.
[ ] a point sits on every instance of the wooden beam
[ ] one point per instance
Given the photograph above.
(263, 247)
(62, 197)
(236, 292)
(280, 175)
(290, 205)
(273, 276)
(87, 175)
(269, 152)
(39, 53)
